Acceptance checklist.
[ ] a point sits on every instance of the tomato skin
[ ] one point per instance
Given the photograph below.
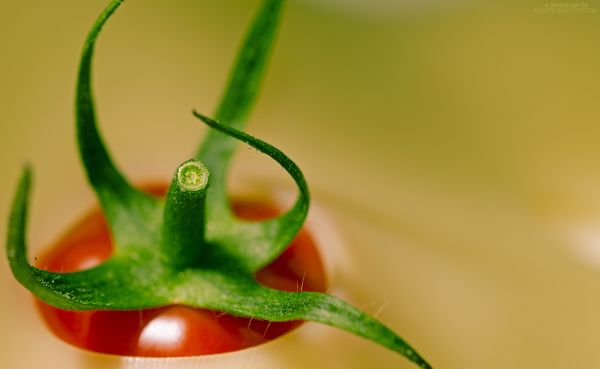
(179, 329)
(172, 330)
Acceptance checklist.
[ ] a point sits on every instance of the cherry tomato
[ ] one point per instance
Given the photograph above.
(172, 330)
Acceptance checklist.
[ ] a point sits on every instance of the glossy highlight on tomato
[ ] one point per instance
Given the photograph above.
(172, 330)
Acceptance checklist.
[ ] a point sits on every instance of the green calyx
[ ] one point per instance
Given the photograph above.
(164, 252)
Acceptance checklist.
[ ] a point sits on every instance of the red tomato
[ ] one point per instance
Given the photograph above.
(172, 330)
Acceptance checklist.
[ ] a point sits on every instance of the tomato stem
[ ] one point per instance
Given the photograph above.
(182, 238)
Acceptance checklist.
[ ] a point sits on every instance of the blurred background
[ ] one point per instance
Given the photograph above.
(454, 144)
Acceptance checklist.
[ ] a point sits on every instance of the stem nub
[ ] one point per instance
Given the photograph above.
(182, 238)
(192, 175)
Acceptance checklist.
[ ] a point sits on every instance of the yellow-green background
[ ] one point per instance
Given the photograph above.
(455, 144)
